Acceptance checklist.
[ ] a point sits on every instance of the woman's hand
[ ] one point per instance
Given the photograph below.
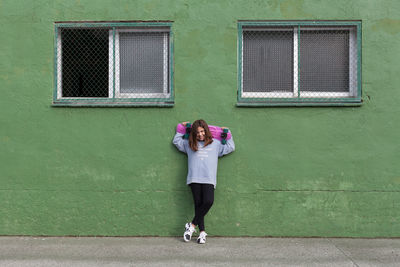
(184, 123)
(224, 128)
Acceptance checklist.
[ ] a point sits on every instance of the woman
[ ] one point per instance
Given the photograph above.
(203, 152)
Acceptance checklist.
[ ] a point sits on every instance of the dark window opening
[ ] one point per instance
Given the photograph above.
(85, 63)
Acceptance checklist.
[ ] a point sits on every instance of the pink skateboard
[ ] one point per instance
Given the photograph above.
(217, 132)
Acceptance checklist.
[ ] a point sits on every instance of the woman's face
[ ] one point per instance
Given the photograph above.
(200, 134)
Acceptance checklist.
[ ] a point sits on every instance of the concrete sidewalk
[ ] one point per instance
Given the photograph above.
(172, 251)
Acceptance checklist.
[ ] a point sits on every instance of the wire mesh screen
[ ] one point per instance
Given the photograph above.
(84, 63)
(299, 62)
(113, 62)
(324, 58)
(267, 61)
(143, 65)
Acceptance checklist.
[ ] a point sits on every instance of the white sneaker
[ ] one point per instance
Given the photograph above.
(189, 230)
(202, 238)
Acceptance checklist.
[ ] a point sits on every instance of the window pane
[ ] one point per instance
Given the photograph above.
(324, 60)
(268, 61)
(142, 62)
(84, 62)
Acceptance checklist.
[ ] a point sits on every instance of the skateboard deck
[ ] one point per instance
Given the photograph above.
(216, 132)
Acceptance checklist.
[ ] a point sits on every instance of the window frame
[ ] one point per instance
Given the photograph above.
(299, 98)
(115, 98)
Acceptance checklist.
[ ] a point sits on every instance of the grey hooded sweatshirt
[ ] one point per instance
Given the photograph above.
(202, 164)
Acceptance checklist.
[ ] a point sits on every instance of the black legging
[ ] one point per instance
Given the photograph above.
(203, 196)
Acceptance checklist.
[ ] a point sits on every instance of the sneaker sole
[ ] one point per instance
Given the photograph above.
(186, 238)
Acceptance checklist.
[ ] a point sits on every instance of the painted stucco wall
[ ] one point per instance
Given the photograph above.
(320, 171)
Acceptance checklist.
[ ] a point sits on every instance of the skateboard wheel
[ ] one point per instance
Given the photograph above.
(188, 129)
(224, 135)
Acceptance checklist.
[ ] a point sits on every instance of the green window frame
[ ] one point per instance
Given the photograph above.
(113, 64)
(299, 63)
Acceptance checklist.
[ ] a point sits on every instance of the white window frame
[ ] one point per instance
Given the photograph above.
(111, 80)
(308, 94)
(118, 93)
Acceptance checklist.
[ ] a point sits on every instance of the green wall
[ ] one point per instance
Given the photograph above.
(310, 171)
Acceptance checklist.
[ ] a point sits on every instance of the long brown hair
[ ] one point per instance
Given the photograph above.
(193, 134)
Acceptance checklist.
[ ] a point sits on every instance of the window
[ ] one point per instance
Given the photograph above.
(107, 64)
(299, 63)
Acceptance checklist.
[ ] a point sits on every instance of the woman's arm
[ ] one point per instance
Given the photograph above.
(178, 141)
